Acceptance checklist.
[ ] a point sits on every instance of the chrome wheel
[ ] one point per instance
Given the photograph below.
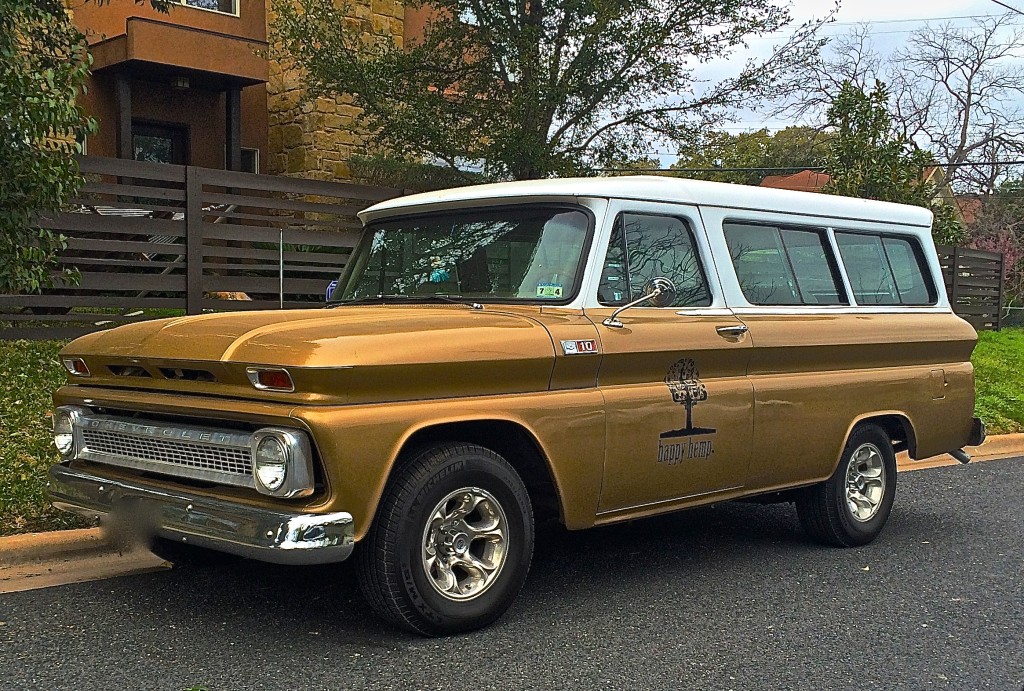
(465, 543)
(865, 482)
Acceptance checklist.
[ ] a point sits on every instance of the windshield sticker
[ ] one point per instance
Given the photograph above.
(683, 381)
(585, 347)
(549, 290)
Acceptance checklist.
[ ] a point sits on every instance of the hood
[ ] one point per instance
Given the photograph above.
(343, 355)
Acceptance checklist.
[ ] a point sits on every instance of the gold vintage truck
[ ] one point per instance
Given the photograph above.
(590, 351)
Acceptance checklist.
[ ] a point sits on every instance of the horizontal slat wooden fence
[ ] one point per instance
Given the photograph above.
(974, 284)
(149, 238)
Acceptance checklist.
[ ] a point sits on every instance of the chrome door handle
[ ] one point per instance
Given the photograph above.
(732, 331)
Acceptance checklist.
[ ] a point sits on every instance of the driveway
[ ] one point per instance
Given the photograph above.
(729, 597)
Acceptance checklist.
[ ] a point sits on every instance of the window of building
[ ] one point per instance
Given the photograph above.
(250, 160)
(160, 143)
(783, 266)
(226, 6)
(645, 246)
(885, 270)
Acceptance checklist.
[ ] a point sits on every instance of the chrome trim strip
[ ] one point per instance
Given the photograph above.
(249, 531)
(668, 501)
(842, 309)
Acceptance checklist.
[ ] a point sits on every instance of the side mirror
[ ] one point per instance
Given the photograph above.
(660, 292)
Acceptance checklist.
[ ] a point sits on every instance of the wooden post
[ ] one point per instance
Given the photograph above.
(233, 129)
(954, 283)
(999, 301)
(193, 240)
(123, 93)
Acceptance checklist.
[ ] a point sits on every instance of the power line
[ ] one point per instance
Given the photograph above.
(787, 168)
(1012, 9)
(915, 19)
(872, 22)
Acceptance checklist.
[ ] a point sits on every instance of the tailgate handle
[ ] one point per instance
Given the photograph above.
(732, 331)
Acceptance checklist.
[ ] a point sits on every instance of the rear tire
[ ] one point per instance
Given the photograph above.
(451, 544)
(851, 507)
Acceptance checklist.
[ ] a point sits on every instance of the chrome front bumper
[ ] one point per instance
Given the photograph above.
(256, 533)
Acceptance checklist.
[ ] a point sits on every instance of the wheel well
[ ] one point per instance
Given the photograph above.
(899, 430)
(511, 441)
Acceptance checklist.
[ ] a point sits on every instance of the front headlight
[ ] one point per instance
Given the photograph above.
(271, 463)
(282, 462)
(64, 419)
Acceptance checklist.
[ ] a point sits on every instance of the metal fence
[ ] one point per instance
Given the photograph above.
(150, 239)
(974, 284)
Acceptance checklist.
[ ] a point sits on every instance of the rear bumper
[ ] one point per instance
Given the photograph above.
(252, 532)
(977, 432)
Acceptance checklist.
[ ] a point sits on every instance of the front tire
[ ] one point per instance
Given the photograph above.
(851, 507)
(451, 544)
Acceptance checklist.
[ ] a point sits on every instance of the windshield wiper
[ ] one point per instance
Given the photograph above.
(384, 299)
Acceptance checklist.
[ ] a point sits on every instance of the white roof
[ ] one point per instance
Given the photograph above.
(658, 188)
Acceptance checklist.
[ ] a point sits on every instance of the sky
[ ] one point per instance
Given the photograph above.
(892, 21)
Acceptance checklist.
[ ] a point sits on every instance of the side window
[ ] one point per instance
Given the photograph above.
(645, 246)
(868, 268)
(783, 266)
(910, 271)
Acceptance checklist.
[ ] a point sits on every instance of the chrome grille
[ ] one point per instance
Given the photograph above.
(199, 453)
(223, 458)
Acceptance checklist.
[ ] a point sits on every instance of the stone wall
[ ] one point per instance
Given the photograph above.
(314, 138)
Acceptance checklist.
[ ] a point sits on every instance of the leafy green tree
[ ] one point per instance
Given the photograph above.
(540, 87)
(761, 153)
(44, 62)
(867, 158)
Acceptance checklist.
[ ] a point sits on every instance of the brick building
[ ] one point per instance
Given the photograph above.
(201, 86)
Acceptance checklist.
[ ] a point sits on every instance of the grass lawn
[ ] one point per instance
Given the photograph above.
(30, 372)
(999, 373)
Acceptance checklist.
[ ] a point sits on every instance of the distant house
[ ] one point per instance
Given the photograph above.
(970, 208)
(814, 181)
(804, 181)
(201, 85)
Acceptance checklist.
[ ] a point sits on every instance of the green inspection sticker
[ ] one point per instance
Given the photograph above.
(549, 290)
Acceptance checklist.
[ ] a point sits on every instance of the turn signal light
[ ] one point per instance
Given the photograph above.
(270, 379)
(76, 366)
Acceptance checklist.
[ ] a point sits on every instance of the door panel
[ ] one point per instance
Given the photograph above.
(678, 401)
(678, 406)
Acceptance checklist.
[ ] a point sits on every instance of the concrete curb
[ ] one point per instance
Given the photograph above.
(1000, 444)
(91, 550)
(37, 547)
(42, 560)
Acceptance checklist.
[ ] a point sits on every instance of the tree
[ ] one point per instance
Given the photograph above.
(867, 158)
(760, 152)
(998, 226)
(44, 62)
(956, 91)
(962, 93)
(540, 87)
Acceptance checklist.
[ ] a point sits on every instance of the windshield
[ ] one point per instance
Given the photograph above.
(528, 253)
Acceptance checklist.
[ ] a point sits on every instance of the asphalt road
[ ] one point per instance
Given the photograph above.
(731, 597)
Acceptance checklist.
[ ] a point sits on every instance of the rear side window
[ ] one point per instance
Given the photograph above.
(910, 271)
(783, 266)
(646, 246)
(885, 270)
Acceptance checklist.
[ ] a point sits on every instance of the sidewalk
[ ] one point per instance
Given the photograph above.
(41, 560)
